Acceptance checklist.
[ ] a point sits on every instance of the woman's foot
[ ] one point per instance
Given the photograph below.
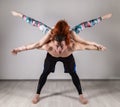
(107, 16)
(36, 99)
(83, 100)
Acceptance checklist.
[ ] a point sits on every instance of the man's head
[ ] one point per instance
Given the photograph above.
(60, 43)
(60, 38)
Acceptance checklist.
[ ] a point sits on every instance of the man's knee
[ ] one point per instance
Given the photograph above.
(72, 73)
(45, 74)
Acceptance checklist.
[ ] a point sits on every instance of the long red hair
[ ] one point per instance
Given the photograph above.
(61, 28)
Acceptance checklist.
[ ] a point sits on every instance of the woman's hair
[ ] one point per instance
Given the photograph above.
(61, 31)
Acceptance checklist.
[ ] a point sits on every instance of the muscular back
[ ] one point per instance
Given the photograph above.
(53, 49)
(63, 51)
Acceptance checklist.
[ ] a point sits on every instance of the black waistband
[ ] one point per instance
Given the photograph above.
(49, 55)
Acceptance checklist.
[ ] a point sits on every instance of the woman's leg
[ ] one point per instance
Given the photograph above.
(78, 28)
(43, 27)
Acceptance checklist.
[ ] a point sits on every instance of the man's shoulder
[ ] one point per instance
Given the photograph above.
(49, 46)
(71, 46)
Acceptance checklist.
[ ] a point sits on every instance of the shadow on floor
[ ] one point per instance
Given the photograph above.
(62, 93)
(102, 88)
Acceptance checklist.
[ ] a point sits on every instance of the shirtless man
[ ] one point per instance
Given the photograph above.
(60, 46)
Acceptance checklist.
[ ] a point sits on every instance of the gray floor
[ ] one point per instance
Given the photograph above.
(60, 94)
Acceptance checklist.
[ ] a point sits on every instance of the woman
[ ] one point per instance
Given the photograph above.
(60, 43)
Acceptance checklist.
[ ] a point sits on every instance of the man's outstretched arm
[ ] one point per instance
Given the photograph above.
(78, 28)
(24, 48)
(38, 44)
(78, 39)
(43, 27)
(80, 46)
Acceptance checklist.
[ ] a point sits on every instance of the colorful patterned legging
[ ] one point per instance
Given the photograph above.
(78, 28)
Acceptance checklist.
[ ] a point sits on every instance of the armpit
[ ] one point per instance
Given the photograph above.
(50, 49)
(71, 46)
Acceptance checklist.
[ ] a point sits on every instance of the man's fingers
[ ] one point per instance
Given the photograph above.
(14, 52)
(102, 48)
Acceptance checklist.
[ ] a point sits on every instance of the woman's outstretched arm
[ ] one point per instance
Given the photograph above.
(43, 27)
(78, 28)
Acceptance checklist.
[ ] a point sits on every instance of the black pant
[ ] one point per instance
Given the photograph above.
(49, 66)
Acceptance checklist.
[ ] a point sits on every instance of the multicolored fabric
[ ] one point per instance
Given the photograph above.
(43, 27)
(77, 29)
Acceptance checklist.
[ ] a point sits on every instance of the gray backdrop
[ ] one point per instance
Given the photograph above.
(15, 32)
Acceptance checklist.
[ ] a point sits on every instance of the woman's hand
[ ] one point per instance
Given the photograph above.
(14, 13)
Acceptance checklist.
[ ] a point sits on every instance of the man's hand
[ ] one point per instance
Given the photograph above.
(14, 13)
(15, 51)
(98, 46)
(101, 48)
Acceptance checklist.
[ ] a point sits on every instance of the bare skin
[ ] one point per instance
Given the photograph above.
(36, 99)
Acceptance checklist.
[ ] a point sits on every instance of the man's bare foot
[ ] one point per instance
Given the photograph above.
(36, 99)
(83, 100)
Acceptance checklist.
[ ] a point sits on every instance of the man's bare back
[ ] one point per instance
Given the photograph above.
(63, 50)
